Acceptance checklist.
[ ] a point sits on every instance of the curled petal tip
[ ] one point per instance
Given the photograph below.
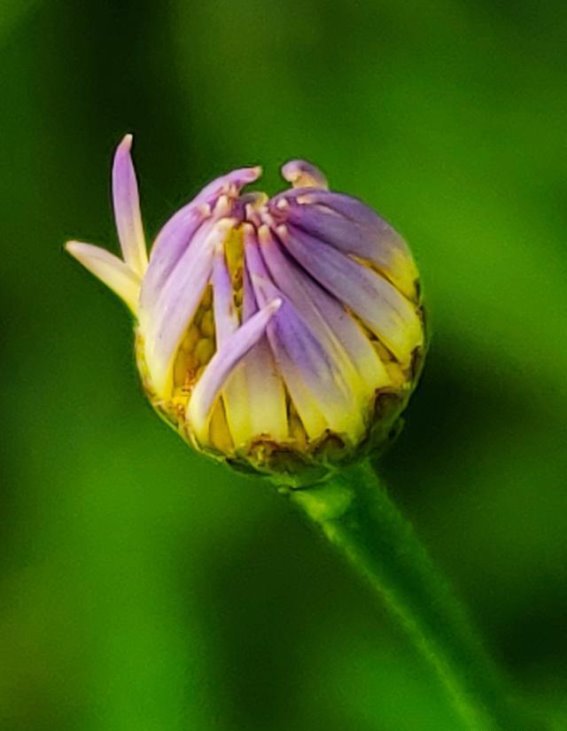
(111, 270)
(248, 175)
(126, 143)
(301, 174)
(282, 232)
(251, 174)
(274, 305)
(244, 176)
(264, 233)
(222, 206)
(70, 247)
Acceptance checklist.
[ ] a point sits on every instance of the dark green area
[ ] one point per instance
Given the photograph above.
(144, 588)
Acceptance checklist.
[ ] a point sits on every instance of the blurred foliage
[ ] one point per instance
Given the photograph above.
(143, 588)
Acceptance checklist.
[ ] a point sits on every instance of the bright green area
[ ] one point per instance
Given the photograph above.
(143, 588)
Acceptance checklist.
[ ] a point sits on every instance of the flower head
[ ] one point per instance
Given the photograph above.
(282, 335)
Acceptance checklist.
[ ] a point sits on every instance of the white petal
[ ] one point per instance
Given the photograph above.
(109, 269)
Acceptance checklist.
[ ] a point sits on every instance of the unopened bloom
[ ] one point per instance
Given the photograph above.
(282, 335)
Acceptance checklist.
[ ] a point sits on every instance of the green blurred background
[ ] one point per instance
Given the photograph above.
(144, 588)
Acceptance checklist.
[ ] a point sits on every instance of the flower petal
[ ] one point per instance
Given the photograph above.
(211, 383)
(111, 270)
(226, 318)
(255, 395)
(315, 380)
(231, 183)
(127, 208)
(328, 318)
(345, 205)
(350, 226)
(169, 246)
(226, 324)
(164, 321)
(302, 174)
(290, 279)
(378, 303)
(177, 233)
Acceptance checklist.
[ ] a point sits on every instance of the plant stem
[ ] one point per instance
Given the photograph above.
(357, 516)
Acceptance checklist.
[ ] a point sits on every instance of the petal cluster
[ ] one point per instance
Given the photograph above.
(280, 334)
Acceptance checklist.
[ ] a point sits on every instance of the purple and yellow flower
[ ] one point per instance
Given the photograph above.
(282, 335)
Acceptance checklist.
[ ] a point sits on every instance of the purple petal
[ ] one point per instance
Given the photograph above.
(302, 174)
(226, 324)
(349, 226)
(378, 303)
(164, 321)
(249, 304)
(291, 280)
(127, 208)
(326, 316)
(345, 205)
(171, 243)
(315, 381)
(201, 207)
(177, 233)
(254, 396)
(226, 318)
(214, 378)
(232, 183)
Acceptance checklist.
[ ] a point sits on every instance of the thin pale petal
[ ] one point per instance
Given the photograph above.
(226, 318)
(290, 279)
(111, 270)
(178, 232)
(388, 314)
(231, 183)
(315, 381)
(164, 321)
(255, 395)
(345, 205)
(170, 244)
(226, 324)
(214, 378)
(336, 329)
(127, 208)
(350, 226)
(355, 341)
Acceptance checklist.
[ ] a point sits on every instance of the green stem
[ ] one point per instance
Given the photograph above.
(357, 516)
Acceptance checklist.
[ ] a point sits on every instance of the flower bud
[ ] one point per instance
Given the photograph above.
(282, 336)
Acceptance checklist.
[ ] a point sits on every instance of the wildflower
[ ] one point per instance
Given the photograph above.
(280, 335)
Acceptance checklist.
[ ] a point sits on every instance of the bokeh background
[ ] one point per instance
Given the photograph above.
(143, 588)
